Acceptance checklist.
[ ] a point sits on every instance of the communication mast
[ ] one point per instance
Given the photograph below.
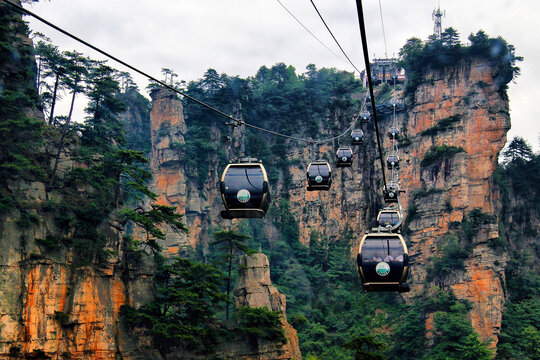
(437, 18)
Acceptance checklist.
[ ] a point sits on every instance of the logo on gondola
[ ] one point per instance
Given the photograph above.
(318, 179)
(243, 196)
(382, 269)
(357, 139)
(344, 158)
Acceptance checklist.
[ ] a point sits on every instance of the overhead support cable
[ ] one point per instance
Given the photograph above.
(209, 107)
(165, 85)
(370, 83)
(383, 32)
(337, 42)
(309, 31)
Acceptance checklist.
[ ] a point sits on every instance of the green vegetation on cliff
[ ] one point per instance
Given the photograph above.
(276, 98)
(20, 132)
(438, 153)
(417, 57)
(183, 312)
(518, 180)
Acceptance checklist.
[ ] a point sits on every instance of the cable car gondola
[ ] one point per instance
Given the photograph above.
(393, 133)
(391, 193)
(319, 175)
(365, 116)
(244, 190)
(392, 161)
(344, 157)
(389, 217)
(357, 137)
(383, 262)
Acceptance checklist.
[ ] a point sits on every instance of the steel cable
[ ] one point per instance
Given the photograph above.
(207, 106)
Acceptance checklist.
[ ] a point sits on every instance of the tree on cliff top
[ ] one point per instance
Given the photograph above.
(417, 56)
(260, 323)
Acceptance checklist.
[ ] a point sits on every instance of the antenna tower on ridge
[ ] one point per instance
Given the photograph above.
(437, 17)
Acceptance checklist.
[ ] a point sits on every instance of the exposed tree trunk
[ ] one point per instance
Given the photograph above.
(68, 121)
(57, 157)
(229, 283)
(61, 144)
(51, 117)
(38, 76)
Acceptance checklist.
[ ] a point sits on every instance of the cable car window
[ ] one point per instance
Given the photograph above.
(385, 218)
(242, 177)
(322, 170)
(374, 250)
(344, 152)
(382, 249)
(389, 218)
(396, 249)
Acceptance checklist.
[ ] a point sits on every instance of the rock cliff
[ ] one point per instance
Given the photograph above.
(52, 306)
(168, 128)
(254, 289)
(460, 107)
(463, 107)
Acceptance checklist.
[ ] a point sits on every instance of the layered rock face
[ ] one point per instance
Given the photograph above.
(51, 308)
(168, 128)
(463, 107)
(254, 289)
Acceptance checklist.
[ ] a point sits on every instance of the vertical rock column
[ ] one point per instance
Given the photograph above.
(167, 127)
(254, 289)
(462, 107)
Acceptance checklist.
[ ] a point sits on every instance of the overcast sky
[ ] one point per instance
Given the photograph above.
(236, 37)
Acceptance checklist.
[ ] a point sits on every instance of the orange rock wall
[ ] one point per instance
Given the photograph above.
(90, 323)
(168, 128)
(458, 184)
(51, 308)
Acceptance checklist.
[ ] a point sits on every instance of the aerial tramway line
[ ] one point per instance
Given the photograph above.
(383, 256)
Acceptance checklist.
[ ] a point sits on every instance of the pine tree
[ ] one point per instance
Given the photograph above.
(20, 132)
(366, 347)
(518, 150)
(183, 313)
(230, 243)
